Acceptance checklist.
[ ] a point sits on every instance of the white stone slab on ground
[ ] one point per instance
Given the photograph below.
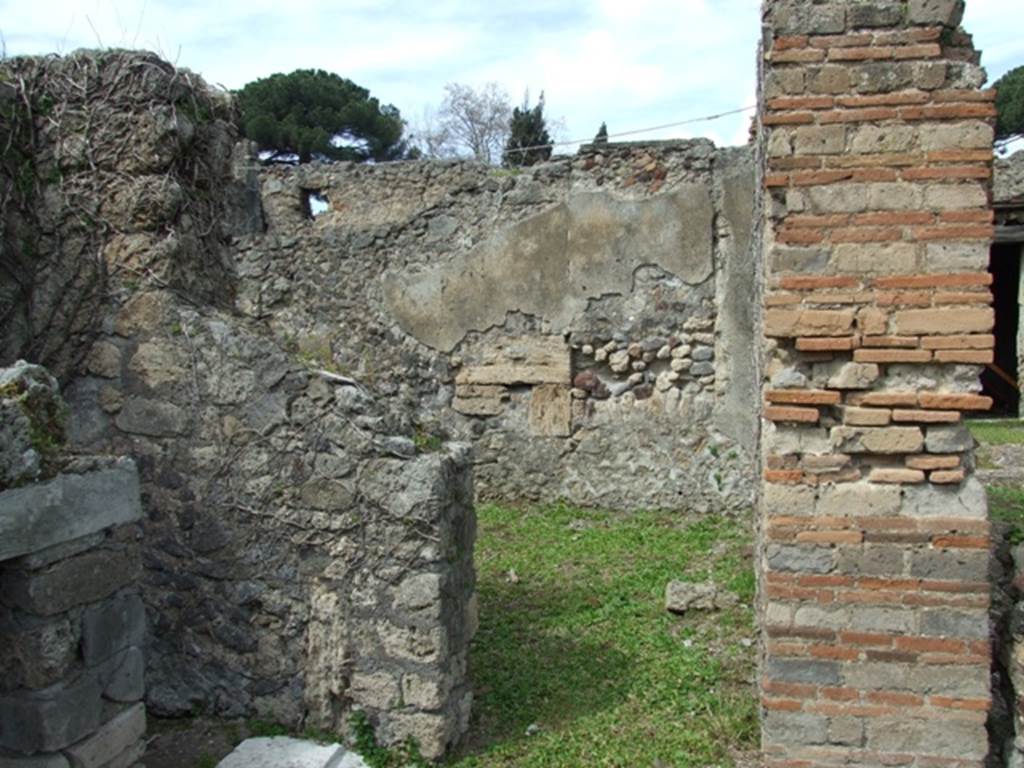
(285, 752)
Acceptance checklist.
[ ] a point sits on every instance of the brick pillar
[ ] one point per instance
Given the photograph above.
(877, 221)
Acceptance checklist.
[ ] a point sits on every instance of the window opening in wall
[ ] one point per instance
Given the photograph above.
(314, 203)
(1000, 380)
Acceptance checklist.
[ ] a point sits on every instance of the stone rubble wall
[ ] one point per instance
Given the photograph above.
(301, 554)
(72, 621)
(585, 323)
(874, 557)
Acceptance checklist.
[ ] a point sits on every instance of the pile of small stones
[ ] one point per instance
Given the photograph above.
(611, 368)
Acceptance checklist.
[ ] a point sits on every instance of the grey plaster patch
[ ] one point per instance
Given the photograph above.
(552, 264)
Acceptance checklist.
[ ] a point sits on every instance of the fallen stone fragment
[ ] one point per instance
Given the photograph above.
(681, 596)
(285, 752)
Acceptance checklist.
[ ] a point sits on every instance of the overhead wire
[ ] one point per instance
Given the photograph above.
(619, 135)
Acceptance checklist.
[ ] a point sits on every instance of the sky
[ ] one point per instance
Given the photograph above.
(630, 63)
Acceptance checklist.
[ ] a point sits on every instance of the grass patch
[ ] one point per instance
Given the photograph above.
(1006, 504)
(266, 729)
(575, 646)
(1001, 432)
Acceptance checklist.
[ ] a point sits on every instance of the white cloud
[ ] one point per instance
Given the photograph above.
(632, 64)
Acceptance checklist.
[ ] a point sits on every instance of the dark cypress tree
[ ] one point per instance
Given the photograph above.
(602, 135)
(527, 129)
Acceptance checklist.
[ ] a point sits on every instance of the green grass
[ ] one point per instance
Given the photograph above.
(1006, 504)
(1002, 432)
(574, 641)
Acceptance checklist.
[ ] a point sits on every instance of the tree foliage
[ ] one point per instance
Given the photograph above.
(602, 135)
(311, 113)
(529, 141)
(1010, 105)
(469, 123)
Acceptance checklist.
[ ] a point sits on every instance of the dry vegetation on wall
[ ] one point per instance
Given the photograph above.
(96, 148)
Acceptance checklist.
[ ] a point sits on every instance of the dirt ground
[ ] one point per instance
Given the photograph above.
(191, 743)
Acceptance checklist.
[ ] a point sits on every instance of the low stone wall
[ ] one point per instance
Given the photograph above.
(72, 621)
(302, 553)
(585, 323)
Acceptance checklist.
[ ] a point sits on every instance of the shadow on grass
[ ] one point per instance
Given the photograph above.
(530, 664)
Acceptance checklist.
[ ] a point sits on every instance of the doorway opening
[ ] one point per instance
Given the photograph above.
(1000, 380)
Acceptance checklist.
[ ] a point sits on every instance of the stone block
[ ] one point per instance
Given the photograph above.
(971, 134)
(792, 728)
(881, 620)
(950, 565)
(50, 719)
(159, 362)
(551, 410)
(872, 139)
(36, 653)
(116, 736)
(948, 439)
(124, 676)
(818, 19)
(871, 15)
(957, 257)
(44, 557)
(378, 690)
(543, 360)
(425, 645)
(280, 751)
(130, 757)
(68, 507)
(811, 671)
(912, 322)
(874, 258)
(480, 399)
(54, 760)
(806, 559)
(432, 732)
(852, 375)
(424, 692)
(948, 13)
(838, 198)
(681, 596)
(153, 418)
(886, 440)
(895, 196)
(419, 591)
(966, 500)
(104, 359)
(819, 140)
(866, 417)
(829, 78)
(946, 622)
(778, 499)
(848, 731)
(784, 439)
(84, 578)
(955, 196)
(860, 499)
(871, 560)
(966, 682)
(945, 738)
(789, 259)
(807, 322)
